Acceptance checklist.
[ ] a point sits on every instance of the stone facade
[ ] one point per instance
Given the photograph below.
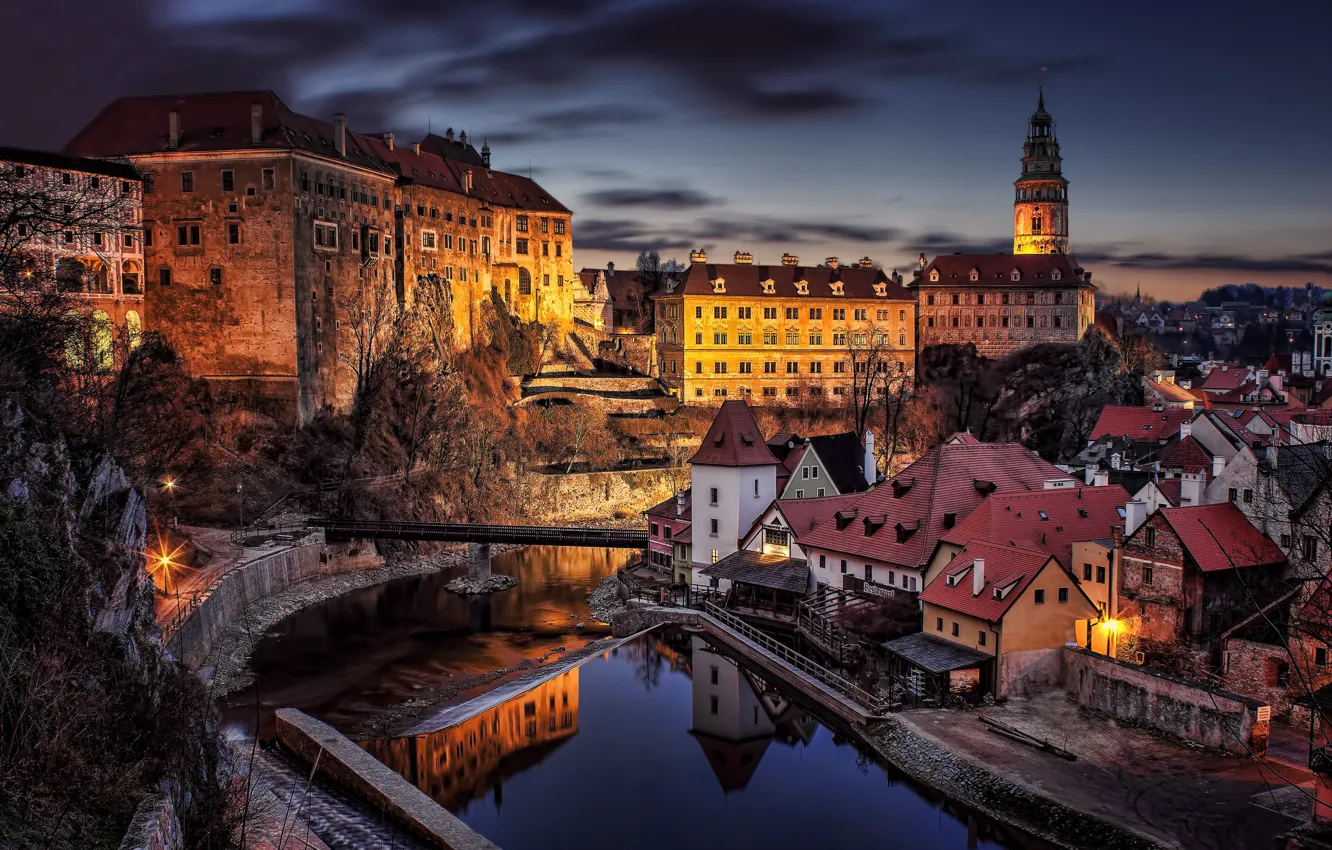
(1263, 671)
(263, 225)
(1040, 203)
(779, 334)
(97, 254)
(1152, 594)
(1001, 302)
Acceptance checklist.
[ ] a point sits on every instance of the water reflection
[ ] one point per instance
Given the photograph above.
(601, 756)
(463, 762)
(347, 659)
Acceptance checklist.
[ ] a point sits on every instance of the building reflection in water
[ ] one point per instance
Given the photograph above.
(463, 762)
(736, 715)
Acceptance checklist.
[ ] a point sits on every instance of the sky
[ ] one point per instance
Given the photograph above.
(1195, 135)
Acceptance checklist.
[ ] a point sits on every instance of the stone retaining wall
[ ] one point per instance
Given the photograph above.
(608, 384)
(154, 827)
(193, 642)
(596, 495)
(1185, 710)
(343, 762)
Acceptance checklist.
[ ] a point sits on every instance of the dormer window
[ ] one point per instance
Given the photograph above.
(802, 287)
(934, 276)
(769, 287)
(1015, 275)
(836, 287)
(719, 286)
(975, 274)
(1056, 274)
(880, 289)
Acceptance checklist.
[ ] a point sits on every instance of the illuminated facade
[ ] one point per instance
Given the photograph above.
(260, 221)
(94, 247)
(1040, 204)
(778, 334)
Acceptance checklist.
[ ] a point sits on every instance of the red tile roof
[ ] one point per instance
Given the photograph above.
(734, 439)
(1186, 455)
(962, 439)
(665, 509)
(221, 122)
(1070, 516)
(950, 479)
(1172, 489)
(1140, 424)
(742, 279)
(1172, 392)
(997, 270)
(1223, 378)
(1008, 568)
(803, 515)
(1220, 537)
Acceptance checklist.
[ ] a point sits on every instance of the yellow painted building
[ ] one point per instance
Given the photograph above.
(784, 334)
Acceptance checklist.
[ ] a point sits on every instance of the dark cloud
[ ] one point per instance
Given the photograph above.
(666, 199)
(627, 235)
(1303, 263)
(568, 123)
(945, 242)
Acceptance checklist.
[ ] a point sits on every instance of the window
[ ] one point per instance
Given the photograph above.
(843, 565)
(1281, 673)
(816, 312)
(793, 338)
(713, 524)
(862, 314)
(719, 368)
(769, 368)
(228, 180)
(718, 312)
(520, 223)
(1086, 572)
(839, 367)
(955, 321)
(980, 639)
(233, 233)
(269, 179)
(1310, 548)
(792, 312)
(1031, 321)
(769, 338)
(187, 234)
(326, 235)
(129, 237)
(816, 339)
(1151, 536)
(746, 368)
(545, 249)
(187, 181)
(1285, 541)
(1320, 656)
(816, 368)
(698, 312)
(744, 339)
(1248, 496)
(427, 240)
(559, 227)
(652, 529)
(1058, 322)
(714, 674)
(956, 630)
(520, 246)
(1040, 597)
(545, 280)
(1063, 594)
(1100, 575)
(215, 276)
(164, 277)
(792, 367)
(869, 572)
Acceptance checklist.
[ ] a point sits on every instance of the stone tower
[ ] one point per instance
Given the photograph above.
(1040, 205)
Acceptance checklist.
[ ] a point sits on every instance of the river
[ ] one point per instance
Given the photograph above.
(346, 660)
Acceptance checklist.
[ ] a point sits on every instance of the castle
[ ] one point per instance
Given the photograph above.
(260, 223)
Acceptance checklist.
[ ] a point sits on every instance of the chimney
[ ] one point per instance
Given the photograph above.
(1185, 430)
(920, 264)
(1191, 485)
(173, 129)
(1101, 478)
(1135, 514)
(1089, 474)
(1272, 455)
(448, 134)
(467, 181)
(679, 504)
(699, 256)
(831, 262)
(388, 140)
(978, 577)
(744, 258)
(1218, 466)
(866, 263)
(871, 468)
(416, 148)
(462, 138)
(256, 123)
(790, 260)
(340, 133)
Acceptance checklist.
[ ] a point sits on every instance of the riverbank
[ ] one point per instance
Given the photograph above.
(231, 656)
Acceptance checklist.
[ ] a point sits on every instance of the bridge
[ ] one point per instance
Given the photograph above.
(480, 537)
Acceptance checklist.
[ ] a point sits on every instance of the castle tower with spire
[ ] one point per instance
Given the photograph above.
(1040, 205)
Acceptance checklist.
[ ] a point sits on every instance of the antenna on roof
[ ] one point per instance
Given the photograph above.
(427, 125)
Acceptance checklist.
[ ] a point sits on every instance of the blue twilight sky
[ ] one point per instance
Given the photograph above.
(1196, 134)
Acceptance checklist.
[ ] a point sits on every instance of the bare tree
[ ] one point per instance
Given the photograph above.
(869, 354)
(374, 338)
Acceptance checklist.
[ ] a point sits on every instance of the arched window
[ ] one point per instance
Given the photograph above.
(524, 282)
(1036, 222)
(70, 272)
(102, 334)
(133, 329)
(131, 277)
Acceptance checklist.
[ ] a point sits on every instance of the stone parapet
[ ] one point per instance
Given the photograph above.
(343, 762)
(154, 827)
